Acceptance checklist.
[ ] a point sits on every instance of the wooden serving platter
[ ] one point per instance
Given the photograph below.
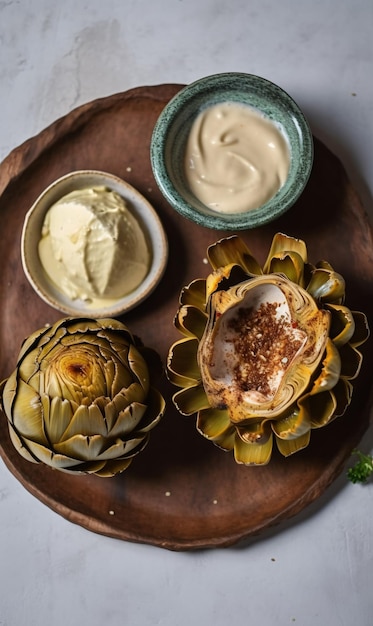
(181, 492)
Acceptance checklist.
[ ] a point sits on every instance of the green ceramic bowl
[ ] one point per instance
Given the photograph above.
(173, 126)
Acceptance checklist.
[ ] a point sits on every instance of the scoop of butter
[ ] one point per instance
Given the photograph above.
(92, 247)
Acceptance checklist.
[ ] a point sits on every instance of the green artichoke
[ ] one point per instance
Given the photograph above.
(268, 354)
(80, 399)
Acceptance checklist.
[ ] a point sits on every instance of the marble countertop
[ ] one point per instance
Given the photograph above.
(315, 568)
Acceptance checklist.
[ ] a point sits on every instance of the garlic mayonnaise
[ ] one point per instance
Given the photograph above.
(235, 159)
(92, 247)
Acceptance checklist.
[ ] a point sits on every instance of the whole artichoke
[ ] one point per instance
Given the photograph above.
(80, 398)
(268, 353)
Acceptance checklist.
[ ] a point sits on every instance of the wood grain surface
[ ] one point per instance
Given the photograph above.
(182, 492)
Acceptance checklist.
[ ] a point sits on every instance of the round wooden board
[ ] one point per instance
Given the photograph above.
(182, 492)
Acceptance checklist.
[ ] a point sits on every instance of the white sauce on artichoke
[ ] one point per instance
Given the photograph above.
(256, 343)
(235, 159)
(92, 247)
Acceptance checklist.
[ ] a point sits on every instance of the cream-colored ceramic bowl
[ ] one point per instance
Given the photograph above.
(141, 209)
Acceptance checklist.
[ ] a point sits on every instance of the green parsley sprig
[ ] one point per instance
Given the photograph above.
(363, 468)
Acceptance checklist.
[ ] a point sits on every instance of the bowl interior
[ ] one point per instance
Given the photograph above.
(173, 127)
(140, 207)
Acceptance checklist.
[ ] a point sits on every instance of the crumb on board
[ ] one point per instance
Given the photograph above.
(129, 169)
(205, 261)
(111, 512)
(167, 493)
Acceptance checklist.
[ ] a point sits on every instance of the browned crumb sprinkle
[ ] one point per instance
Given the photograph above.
(264, 345)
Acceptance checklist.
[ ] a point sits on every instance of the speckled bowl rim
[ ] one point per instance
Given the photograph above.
(214, 89)
(140, 207)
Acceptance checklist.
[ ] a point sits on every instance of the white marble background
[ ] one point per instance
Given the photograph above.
(315, 570)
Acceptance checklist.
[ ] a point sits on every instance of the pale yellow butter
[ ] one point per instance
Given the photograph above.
(92, 247)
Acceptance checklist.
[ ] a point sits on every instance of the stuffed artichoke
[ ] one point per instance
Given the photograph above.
(267, 354)
(80, 398)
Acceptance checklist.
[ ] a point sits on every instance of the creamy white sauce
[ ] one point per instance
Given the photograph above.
(92, 247)
(235, 159)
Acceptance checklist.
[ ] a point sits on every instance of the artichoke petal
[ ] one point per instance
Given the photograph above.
(194, 294)
(26, 411)
(49, 457)
(326, 285)
(20, 445)
(320, 407)
(87, 421)
(57, 414)
(154, 412)
(191, 321)
(81, 447)
(120, 448)
(342, 327)
(127, 420)
(138, 368)
(351, 360)
(191, 400)
(253, 453)
(214, 423)
(294, 425)
(362, 331)
(330, 369)
(232, 251)
(112, 468)
(289, 446)
(182, 362)
(342, 393)
(224, 277)
(283, 244)
(290, 264)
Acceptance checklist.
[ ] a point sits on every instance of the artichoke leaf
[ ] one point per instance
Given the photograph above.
(214, 423)
(112, 468)
(30, 343)
(49, 457)
(342, 327)
(283, 244)
(81, 447)
(342, 393)
(182, 362)
(351, 360)
(330, 369)
(232, 250)
(191, 321)
(20, 445)
(327, 285)
(320, 407)
(127, 420)
(8, 392)
(191, 400)
(26, 413)
(288, 447)
(362, 331)
(119, 448)
(139, 368)
(296, 424)
(154, 412)
(253, 453)
(57, 414)
(194, 294)
(290, 264)
(87, 421)
(224, 278)
(254, 432)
